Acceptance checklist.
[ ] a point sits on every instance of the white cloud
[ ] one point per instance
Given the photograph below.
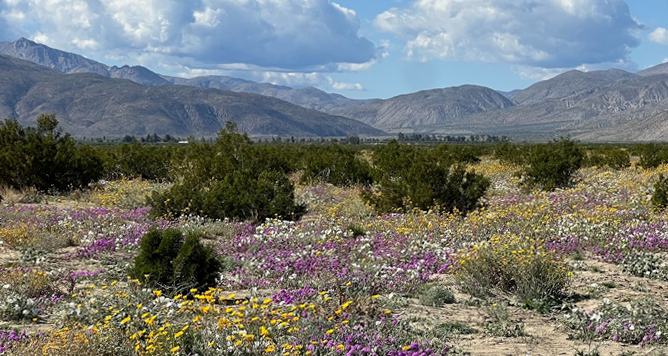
(534, 33)
(660, 35)
(538, 73)
(296, 35)
(289, 79)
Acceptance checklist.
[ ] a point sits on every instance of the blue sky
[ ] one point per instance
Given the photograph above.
(358, 48)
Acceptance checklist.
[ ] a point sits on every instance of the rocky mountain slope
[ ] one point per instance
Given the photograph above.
(588, 105)
(65, 62)
(73, 63)
(92, 105)
(660, 69)
(427, 108)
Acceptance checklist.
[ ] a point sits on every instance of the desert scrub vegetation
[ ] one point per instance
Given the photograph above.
(105, 272)
(552, 165)
(171, 262)
(44, 158)
(521, 266)
(408, 177)
(229, 179)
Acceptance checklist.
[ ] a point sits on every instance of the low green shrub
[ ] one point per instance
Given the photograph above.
(229, 179)
(659, 198)
(652, 155)
(167, 261)
(437, 296)
(44, 158)
(515, 265)
(336, 165)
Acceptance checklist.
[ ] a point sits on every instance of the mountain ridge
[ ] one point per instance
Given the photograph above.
(579, 103)
(88, 104)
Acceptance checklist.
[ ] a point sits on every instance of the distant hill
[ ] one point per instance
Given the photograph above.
(591, 108)
(310, 97)
(595, 105)
(426, 108)
(659, 69)
(87, 104)
(73, 63)
(66, 62)
(652, 128)
(570, 83)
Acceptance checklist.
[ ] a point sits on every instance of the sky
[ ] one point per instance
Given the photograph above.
(356, 48)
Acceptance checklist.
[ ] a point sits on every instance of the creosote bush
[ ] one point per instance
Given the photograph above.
(552, 165)
(230, 179)
(409, 177)
(44, 158)
(168, 261)
(335, 165)
(659, 198)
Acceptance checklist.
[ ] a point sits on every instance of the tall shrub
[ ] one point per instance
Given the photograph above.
(409, 177)
(44, 158)
(552, 165)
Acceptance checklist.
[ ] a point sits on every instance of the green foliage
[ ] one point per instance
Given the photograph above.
(552, 165)
(513, 265)
(437, 296)
(230, 179)
(134, 160)
(409, 178)
(44, 157)
(336, 165)
(510, 154)
(167, 261)
(612, 158)
(652, 155)
(659, 199)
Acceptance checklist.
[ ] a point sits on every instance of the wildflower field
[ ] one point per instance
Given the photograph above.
(575, 271)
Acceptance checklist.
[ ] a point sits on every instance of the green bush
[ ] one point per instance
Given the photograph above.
(166, 261)
(336, 165)
(408, 177)
(513, 264)
(652, 155)
(510, 154)
(134, 160)
(229, 179)
(552, 165)
(437, 296)
(613, 158)
(44, 157)
(659, 199)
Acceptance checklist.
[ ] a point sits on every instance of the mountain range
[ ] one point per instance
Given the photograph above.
(89, 104)
(611, 105)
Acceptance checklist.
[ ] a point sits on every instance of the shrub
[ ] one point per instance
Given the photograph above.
(229, 179)
(514, 265)
(552, 165)
(44, 158)
(510, 154)
(437, 296)
(659, 198)
(335, 165)
(412, 178)
(167, 261)
(135, 160)
(652, 155)
(613, 158)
